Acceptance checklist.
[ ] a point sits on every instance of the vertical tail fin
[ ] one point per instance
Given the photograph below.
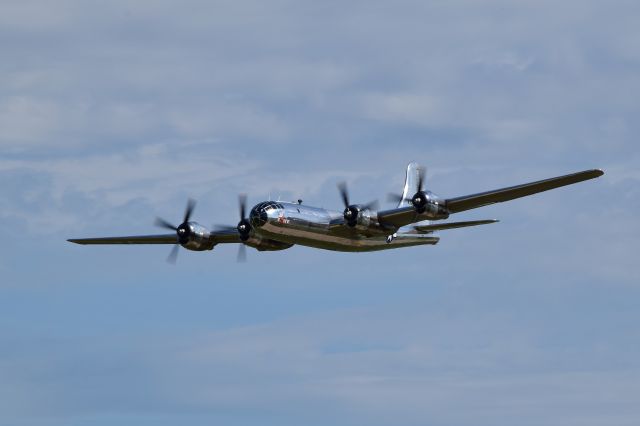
(410, 184)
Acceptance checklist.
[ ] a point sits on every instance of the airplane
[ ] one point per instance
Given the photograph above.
(276, 225)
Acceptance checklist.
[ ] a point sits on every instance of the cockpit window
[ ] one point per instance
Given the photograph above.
(258, 214)
(267, 205)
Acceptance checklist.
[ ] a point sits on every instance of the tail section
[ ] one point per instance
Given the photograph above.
(410, 184)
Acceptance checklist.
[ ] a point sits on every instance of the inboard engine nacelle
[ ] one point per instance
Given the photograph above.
(429, 204)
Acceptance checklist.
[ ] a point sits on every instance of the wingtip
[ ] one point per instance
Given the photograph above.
(591, 173)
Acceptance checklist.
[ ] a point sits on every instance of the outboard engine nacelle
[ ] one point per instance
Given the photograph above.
(193, 236)
(190, 235)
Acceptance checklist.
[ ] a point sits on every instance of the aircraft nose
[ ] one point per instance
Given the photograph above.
(258, 215)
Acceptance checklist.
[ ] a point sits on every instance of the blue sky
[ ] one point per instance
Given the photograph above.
(112, 113)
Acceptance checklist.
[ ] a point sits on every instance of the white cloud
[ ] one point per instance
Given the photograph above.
(404, 108)
(111, 112)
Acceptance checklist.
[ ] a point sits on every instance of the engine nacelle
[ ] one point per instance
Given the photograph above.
(195, 237)
(428, 204)
(363, 220)
(357, 216)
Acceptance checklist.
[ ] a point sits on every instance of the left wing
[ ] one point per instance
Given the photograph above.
(467, 202)
(400, 217)
(403, 216)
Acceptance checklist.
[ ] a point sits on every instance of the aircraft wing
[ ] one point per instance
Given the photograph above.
(228, 235)
(403, 216)
(399, 217)
(135, 239)
(467, 202)
(221, 236)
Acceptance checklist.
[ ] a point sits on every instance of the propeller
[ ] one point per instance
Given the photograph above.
(242, 250)
(344, 193)
(242, 253)
(421, 174)
(173, 254)
(244, 227)
(351, 211)
(419, 200)
(183, 231)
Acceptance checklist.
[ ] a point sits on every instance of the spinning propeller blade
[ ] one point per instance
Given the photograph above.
(242, 203)
(173, 254)
(191, 204)
(182, 231)
(164, 224)
(352, 211)
(242, 253)
(344, 193)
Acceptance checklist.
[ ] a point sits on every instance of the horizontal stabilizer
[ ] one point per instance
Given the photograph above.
(455, 205)
(452, 225)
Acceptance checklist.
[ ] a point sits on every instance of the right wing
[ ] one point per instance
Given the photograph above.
(467, 202)
(216, 237)
(136, 239)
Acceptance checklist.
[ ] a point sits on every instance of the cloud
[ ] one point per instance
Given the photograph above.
(113, 113)
(440, 373)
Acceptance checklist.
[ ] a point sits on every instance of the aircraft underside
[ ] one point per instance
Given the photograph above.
(332, 241)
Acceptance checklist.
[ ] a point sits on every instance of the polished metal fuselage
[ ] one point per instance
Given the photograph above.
(294, 223)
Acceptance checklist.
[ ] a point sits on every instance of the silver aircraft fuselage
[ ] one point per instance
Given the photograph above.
(294, 223)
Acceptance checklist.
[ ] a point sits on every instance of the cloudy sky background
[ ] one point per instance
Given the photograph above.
(114, 112)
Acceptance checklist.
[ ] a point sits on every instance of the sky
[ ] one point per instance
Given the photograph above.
(115, 112)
